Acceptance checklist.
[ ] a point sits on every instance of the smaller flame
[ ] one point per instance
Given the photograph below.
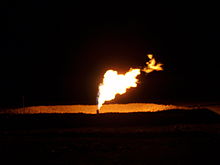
(114, 83)
(151, 65)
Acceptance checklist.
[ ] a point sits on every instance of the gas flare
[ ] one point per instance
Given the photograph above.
(114, 83)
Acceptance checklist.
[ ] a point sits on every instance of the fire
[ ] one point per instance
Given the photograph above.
(114, 83)
(152, 65)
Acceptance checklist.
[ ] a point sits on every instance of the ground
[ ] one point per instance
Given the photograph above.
(169, 137)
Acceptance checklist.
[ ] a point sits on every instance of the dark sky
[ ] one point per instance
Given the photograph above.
(56, 52)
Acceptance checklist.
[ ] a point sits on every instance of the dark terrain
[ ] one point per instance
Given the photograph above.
(166, 137)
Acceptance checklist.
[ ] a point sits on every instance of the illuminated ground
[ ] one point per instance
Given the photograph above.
(91, 109)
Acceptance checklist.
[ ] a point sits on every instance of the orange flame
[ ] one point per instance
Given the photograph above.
(152, 65)
(114, 83)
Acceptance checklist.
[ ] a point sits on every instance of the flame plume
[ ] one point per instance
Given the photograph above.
(114, 83)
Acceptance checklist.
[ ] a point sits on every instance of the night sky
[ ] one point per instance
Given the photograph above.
(56, 52)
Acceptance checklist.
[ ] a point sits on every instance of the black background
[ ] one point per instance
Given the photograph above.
(56, 52)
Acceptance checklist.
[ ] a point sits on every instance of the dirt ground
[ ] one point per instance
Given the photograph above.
(172, 137)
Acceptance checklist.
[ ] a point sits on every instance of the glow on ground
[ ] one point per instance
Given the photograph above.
(91, 109)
